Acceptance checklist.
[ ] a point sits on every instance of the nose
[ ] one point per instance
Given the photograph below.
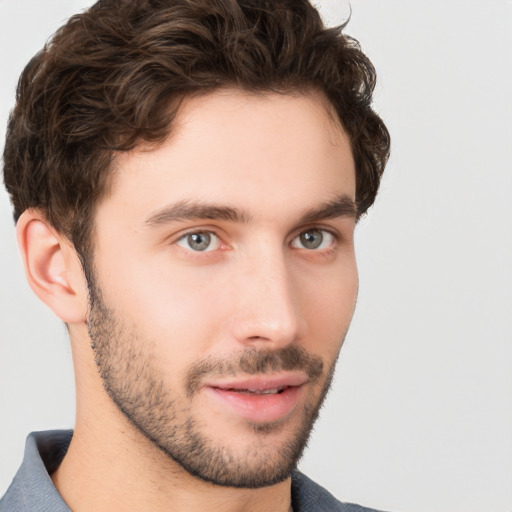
(267, 312)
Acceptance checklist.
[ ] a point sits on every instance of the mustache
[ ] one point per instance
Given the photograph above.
(252, 361)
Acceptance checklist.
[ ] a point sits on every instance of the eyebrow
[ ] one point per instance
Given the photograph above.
(340, 206)
(194, 210)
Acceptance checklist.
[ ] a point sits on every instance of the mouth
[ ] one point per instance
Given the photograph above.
(272, 391)
(259, 399)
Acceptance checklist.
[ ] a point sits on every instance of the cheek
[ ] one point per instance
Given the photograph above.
(175, 312)
(183, 312)
(329, 303)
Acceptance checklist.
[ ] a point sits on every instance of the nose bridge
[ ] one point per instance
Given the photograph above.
(267, 309)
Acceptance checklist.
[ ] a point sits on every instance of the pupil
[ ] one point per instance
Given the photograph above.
(311, 239)
(199, 241)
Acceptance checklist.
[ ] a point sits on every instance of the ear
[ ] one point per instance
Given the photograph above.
(52, 267)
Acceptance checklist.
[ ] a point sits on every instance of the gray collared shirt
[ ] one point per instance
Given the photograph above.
(32, 489)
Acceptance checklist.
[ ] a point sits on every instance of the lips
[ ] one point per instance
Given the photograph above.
(261, 383)
(259, 399)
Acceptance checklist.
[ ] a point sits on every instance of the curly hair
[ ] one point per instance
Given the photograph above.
(113, 77)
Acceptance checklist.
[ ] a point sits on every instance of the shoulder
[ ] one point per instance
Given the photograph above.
(308, 496)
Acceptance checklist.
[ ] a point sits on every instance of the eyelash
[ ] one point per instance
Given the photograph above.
(185, 236)
(335, 237)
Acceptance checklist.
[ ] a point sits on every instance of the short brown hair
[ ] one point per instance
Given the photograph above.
(113, 76)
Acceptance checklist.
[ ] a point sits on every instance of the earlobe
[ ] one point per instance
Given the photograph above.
(52, 267)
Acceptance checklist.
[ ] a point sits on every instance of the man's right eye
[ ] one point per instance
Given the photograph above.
(199, 241)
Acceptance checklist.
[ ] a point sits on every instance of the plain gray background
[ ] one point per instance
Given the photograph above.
(420, 417)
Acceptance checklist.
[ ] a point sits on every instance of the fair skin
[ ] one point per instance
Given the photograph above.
(232, 238)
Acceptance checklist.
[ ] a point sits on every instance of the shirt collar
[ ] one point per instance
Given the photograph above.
(32, 488)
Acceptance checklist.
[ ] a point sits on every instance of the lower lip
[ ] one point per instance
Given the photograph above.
(259, 408)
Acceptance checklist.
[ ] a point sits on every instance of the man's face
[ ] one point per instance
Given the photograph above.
(225, 282)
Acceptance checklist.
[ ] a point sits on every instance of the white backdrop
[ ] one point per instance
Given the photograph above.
(420, 417)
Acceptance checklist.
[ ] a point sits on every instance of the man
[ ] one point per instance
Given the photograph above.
(186, 178)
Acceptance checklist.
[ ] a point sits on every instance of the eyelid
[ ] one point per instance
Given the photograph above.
(214, 232)
(200, 228)
(329, 230)
(211, 230)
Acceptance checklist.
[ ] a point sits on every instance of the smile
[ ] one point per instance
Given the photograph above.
(259, 399)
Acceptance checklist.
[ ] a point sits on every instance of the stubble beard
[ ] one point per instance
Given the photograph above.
(130, 376)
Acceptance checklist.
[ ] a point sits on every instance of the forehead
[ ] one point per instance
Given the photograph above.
(233, 147)
(247, 105)
(253, 117)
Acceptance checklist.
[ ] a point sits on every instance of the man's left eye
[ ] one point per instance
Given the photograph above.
(199, 241)
(313, 239)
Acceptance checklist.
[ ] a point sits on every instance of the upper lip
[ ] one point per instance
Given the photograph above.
(261, 382)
